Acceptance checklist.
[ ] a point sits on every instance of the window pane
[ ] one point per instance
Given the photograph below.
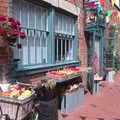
(23, 54)
(64, 24)
(16, 8)
(31, 16)
(63, 48)
(38, 46)
(63, 54)
(59, 49)
(38, 18)
(44, 47)
(34, 22)
(56, 23)
(43, 19)
(31, 46)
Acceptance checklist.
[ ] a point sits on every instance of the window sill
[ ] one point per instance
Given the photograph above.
(29, 70)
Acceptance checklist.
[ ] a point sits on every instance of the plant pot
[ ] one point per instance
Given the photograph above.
(5, 87)
(3, 42)
(6, 55)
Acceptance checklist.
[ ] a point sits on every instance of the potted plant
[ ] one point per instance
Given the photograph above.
(10, 33)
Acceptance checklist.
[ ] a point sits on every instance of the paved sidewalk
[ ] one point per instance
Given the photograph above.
(102, 106)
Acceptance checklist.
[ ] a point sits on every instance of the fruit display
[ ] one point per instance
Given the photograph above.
(16, 91)
(74, 69)
(63, 73)
(56, 75)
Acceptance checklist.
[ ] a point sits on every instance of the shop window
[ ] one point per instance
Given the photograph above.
(64, 30)
(34, 21)
(38, 43)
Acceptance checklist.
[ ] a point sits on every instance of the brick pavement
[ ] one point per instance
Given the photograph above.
(104, 105)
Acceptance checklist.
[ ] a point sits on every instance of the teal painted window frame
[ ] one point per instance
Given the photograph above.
(51, 42)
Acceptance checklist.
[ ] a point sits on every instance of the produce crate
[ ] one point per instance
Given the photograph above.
(16, 109)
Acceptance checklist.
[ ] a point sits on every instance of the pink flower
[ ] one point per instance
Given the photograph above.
(3, 18)
(2, 31)
(22, 35)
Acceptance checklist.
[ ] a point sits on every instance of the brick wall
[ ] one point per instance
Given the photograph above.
(3, 58)
(4, 7)
(81, 36)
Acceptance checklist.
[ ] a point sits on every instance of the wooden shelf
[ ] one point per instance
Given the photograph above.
(68, 79)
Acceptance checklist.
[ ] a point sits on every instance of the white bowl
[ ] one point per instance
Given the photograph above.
(5, 87)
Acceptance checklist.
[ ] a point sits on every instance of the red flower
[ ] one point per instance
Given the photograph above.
(19, 46)
(11, 19)
(2, 31)
(22, 35)
(18, 23)
(14, 32)
(14, 25)
(3, 18)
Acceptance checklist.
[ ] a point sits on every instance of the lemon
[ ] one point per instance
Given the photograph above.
(28, 92)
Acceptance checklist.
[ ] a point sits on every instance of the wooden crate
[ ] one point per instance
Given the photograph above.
(16, 109)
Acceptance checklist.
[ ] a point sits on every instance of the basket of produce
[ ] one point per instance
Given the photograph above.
(16, 100)
(56, 75)
(73, 70)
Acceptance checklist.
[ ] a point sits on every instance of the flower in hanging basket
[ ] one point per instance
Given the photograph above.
(2, 31)
(10, 31)
(22, 35)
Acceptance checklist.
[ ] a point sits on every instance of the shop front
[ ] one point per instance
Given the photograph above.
(94, 34)
(46, 60)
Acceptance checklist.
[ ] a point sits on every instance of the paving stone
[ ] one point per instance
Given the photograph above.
(102, 106)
